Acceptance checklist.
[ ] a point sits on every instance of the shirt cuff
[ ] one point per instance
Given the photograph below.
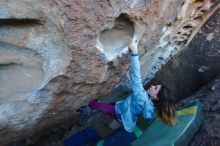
(134, 55)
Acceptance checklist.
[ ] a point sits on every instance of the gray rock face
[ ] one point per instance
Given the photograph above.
(56, 55)
(208, 133)
(197, 65)
(32, 52)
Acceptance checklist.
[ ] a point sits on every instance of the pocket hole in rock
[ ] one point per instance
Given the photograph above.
(115, 40)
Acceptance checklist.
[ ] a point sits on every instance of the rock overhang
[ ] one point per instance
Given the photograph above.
(88, 74)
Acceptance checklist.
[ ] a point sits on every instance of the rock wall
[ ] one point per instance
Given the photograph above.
(197, 65)
(56, 55)
(208, 133)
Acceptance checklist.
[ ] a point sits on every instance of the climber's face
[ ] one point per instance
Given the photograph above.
(153, 91)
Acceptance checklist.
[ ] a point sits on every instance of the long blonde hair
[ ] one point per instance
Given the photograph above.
(165, 108)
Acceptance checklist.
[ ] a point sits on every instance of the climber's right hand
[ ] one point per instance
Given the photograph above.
(133, 46)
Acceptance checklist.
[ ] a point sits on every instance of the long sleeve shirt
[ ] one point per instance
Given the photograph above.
(136, 103)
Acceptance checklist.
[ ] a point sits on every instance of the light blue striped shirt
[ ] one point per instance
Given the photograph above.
(136, 103)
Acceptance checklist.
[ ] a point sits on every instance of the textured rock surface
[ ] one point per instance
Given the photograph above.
(179, 34)
(197, 64)
(208, 133)
(55, 55)
(52, 60)
(32, 53)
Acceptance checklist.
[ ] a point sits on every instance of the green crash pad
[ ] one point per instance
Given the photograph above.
(160, 134)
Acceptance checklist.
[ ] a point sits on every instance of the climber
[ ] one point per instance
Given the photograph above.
(150, 103)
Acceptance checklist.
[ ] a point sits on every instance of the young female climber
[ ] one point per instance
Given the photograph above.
(150, 103)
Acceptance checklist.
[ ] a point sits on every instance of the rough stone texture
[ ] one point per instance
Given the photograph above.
(31, 55)
(209, 131)
(53, 59)
(178, 35)
(197, 64)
